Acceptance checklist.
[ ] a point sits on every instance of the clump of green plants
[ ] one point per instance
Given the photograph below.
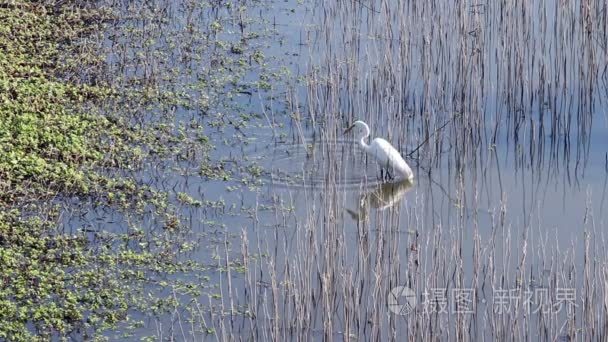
(55, 283)
(42, 142)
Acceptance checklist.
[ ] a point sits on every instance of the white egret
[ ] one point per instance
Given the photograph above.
(386, 155)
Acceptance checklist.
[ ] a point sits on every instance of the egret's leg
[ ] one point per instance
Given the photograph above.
(385, 175)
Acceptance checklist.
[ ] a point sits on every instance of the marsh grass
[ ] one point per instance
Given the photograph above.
(495, 106)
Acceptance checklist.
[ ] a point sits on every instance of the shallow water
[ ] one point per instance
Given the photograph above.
(499, 108)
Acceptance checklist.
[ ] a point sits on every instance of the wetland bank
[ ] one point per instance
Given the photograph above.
(176, 170)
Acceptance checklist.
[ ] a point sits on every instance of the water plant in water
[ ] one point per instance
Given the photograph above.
(63, 275)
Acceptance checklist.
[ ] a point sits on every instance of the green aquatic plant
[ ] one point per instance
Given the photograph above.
(77, 132)
(54, 282)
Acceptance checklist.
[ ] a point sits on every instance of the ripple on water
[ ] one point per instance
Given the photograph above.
(319, 163)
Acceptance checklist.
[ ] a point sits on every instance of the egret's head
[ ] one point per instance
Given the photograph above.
(359, 127)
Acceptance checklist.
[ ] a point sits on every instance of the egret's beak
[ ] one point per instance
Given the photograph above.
(349, 129)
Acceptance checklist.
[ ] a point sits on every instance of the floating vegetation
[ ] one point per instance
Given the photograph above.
(89, 248)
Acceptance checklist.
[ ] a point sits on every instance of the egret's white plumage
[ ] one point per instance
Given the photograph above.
(386, 155)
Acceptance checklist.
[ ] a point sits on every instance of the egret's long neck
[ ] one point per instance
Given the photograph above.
(364, 145)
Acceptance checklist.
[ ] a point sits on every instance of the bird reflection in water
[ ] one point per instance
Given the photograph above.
(380, 198)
